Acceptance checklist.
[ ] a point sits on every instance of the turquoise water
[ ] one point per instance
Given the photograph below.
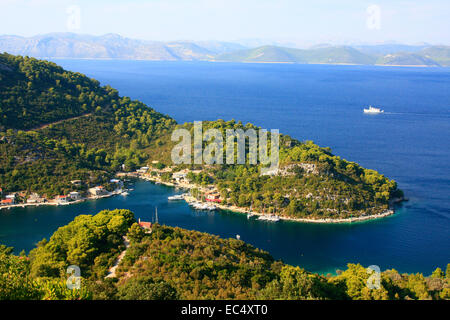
(409, 143)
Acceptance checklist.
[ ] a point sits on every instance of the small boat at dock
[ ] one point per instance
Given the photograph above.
(203, 206)
(176, 197)
(269, 217)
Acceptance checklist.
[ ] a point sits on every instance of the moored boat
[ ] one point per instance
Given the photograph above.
(176, 197)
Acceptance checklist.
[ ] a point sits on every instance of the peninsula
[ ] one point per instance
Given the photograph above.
(61, 133)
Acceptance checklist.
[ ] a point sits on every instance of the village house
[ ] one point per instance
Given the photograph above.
(6, 202)
(179, 176)
(11, 197)
(142, 170)
(62, 199)
(213, 197)
(98, 191)
(118, 182)
(127, 174)
(145, 225)
(35, 198)
(75, 195)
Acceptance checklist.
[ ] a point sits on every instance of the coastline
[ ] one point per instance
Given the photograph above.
(231, 208)
(24, 205)
(386, 213)
(252, 62)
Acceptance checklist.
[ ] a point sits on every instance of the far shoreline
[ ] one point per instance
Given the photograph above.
(250, 62)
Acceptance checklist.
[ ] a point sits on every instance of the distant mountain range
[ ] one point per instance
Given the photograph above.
(113, 46)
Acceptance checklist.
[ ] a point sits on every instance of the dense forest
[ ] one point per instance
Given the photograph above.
(93, 131)
(311, 182)
(174, 263)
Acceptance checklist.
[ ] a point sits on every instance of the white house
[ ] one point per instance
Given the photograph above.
(62, 199)
(35, 198)
(179, 176)
(142, 170)
(75, 195)
(98, 191)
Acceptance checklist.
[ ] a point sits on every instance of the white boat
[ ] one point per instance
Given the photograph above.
(176, 197)
(203, 206)
(269, 217)
(124, 193)
(196, 205)
(373, 110)
(211, 207)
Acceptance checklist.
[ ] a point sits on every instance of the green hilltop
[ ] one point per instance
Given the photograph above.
(432, 56)
(440, 54)
(328, 55)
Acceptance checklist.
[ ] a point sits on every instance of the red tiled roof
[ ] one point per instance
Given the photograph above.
(7, 201)
(146, 225)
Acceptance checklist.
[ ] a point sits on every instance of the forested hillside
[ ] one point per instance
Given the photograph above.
(35, 92)
(311, 182)
(93, 132)
(172, 263)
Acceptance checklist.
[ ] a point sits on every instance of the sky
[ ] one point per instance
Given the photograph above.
(294, 22)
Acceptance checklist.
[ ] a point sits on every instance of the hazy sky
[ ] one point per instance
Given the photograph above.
(302, 22)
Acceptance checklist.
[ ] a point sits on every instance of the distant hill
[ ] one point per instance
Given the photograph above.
(330, 55)
(113, 46)
(110, 46)
(440, 54)
(407, 59)
(384, 49)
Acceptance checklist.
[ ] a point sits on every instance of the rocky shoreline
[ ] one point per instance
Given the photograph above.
(383, 214)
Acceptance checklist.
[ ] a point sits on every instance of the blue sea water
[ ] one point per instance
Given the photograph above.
(409, 143)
